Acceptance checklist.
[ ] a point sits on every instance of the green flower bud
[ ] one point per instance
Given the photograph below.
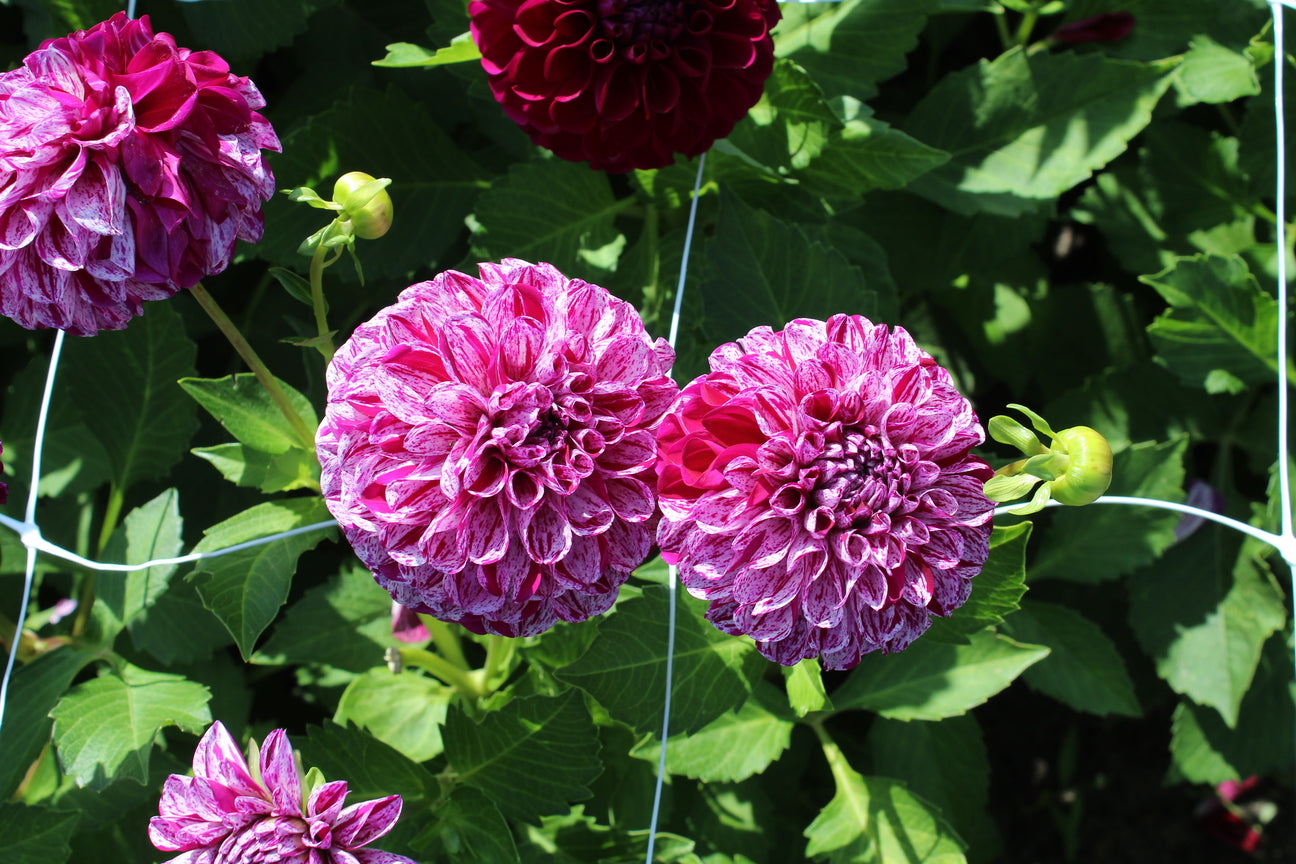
(1075, 468)
(365, 203)
(1089, 466)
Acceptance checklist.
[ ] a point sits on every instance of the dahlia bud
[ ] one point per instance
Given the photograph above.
(365, 203)
(1076, 468)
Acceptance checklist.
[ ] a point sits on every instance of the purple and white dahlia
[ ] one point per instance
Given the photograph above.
(817, 487)
(489, 446)
(129, 167)
(228, 814)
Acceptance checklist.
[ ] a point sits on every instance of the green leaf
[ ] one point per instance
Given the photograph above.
(296, 286)
(149, 532)
(625, 668)
(1205, 750)
(371, 768)
(386, 134)
(35, 835)
(245, 589)
(710, 755)
(404, 55)
(345, 623)
(1101, 541)
(531, 757)
(868, 154)
(1084, 669)
(848, 48)
(551, 210)
(1220, 321)
(142, 419)
(105, 728)
(405, 711)
(873, 820)
(177, 629)
(947, 764)
(1215, 73)
(935, 680)
(1022, 130)
(244, 466)
(762, 271)
(805, 689)
(34, 690)
(1203, 613)
(471, 830)
(244, 408)
(246, 29)
(996, 591)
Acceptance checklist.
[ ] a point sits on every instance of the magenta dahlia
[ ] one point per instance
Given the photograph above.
(816, 487)
(489, 444)
(128, 169)
(228, 814)
(625, 83)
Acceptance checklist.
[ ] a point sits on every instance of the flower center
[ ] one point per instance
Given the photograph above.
(853, 472)
(640, 29)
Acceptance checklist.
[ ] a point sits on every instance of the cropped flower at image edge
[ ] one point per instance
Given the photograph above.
(223, 814)
(130, 169)
(488, 446)
(817, 488)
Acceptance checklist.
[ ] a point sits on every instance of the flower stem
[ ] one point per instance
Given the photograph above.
(446, 639)
(447, 672)
(499, 650)
(255, 363)
(317, 302)
(841, 769)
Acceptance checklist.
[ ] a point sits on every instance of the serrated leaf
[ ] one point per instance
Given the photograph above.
(244, 466)
(805, 689)
(177, 629)
(1104, 541)
(34, 690)
(1022, 129)
(404, 55)
(1215, 73)
(35, 835)
(371, 768)
(532, 757)
(434, 183)
(471, 829)
(1220, 320)
(1084, 669)
(850, 47)
(869, 154)
(245, 409)
(142, 419)
(345, 623)
(762, 271)
(625, 668)
(935, 680)
(946, 763)
(148, 532)
(249, 28)
(105, 728)
(245, 589)
(873, 820)
(730, 748)
(996, 591)
(1203, 613)
(405, 711)
(551, 210)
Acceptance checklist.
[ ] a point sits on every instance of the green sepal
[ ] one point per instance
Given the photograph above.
(307, 195)
(295, 284)
(1008, 431)
(1036, 504)
(1009, 487)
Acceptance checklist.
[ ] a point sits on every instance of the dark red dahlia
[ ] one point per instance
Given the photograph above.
(625, 83)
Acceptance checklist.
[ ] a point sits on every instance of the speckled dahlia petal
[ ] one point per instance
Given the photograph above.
(816, 487)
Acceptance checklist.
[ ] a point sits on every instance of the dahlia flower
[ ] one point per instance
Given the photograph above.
(227, 814)
(128, 169)
(488, 446)
(625, 83)
(816, 487)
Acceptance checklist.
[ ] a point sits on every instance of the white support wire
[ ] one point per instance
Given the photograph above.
(672, 573)
(1280, 212)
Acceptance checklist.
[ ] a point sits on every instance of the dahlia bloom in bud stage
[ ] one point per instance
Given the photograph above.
(816, 487)
(228, 814)
(625, 83)
(488, 446)
(129, 167)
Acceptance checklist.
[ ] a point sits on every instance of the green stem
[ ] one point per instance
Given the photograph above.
(446, 640)
(841, 769)
(86, 597)
(460, 679)
(499, 650)
(1002, 26)
(255, 363)
(317, 302)
(1026, 26)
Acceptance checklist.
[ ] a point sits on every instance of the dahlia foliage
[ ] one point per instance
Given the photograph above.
(129, 167)
(227, 814)
(817, 488)
(488, 446)
(625, 83)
